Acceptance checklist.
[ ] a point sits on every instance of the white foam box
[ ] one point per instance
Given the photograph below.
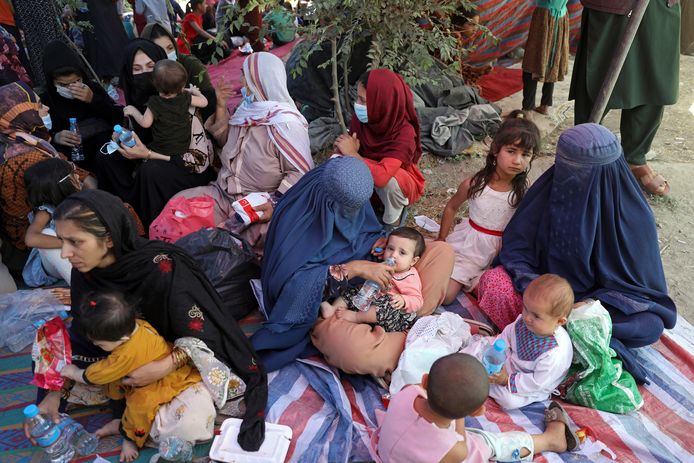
(226, 449)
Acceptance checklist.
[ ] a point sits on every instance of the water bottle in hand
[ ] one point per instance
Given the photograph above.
(176, 449)
(83, 442)
(48, 436)
(369, 291)
(125, 136)
(76, 154)
(24, 332)
(494, 357)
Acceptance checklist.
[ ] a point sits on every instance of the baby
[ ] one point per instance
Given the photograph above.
(169, 112)
(110, 323)
(395, 309)
(426, 423)
(540, 350)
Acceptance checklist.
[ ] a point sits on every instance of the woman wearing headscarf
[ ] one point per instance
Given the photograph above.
(586, 220)
(24, 141)
(385, 134)
(323, 234)
(266, 145)
(173, 294)
(72, 93)
(144, 178)
(197, 72)
(11, 67)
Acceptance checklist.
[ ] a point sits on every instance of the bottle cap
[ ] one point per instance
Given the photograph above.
(378, 249)
(39, 323)
(63, 315)
(117, 128)
(500, 345)
(73, 120)
(31, 411)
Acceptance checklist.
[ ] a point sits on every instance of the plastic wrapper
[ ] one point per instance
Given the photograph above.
(51, 352)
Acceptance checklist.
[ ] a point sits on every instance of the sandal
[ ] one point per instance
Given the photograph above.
(651, 181)
(555, 412)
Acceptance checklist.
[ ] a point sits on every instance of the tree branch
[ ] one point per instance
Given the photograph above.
(336, 86)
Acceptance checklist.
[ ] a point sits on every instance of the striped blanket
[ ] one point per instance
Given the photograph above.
(333, 415)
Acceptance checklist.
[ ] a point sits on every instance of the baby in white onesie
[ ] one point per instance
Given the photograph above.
(539, 348)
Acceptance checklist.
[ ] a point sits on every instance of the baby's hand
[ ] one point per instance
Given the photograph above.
(130, 110)
(397, 301)
(194, 90)
(500, 378)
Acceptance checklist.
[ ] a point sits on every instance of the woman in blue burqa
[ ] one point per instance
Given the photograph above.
(587, 220)
(324, 234)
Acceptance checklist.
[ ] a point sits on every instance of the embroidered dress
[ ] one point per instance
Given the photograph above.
(535, 365)
(477, 240)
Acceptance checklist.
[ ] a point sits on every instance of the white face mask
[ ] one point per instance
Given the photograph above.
(172, 55)
(64, 92)
(47, 122)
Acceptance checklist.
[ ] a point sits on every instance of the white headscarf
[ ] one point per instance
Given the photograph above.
(274, 108)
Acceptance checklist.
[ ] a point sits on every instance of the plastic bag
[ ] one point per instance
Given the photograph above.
(229, 263)
(430, 338)
(24, 307)
(51, 352)
(596, 378)
(181, 217)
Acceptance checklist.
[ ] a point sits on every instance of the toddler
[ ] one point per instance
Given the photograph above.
(395, 309)
(169, 113)
(540, 350)
(110, 323)
(426, 423)
(48, 183)
(493, 194)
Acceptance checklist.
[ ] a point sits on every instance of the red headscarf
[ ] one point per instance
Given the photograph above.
(393, 127)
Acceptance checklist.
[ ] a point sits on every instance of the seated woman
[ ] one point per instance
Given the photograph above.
(266, 145)
(385, 134)
(197, 72)
(71, 93)
(24, 141)
(174, 295)
(149, 185)
(324, 233)
(586, 220)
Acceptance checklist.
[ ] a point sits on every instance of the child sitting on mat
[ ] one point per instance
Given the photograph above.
(426, 423)
(540, 350)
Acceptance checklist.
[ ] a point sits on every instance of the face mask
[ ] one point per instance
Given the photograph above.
(143, 86)
(360, 112)
(47, 122)
(247, 99)
(64, 92)
(109, 148)
(172, 55)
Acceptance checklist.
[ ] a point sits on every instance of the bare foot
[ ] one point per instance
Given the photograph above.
(326, 309)
(556, 432)
(109, 429)
(347, 315)
(129, 451)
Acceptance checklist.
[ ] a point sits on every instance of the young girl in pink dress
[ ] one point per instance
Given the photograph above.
(492, 194)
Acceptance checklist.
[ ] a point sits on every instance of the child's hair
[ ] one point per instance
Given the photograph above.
(65, 71)
(106, 316)
(554, 290)
(49, 182)
(518, 131)
(192, 4)
(411, 234)
(458, 385)
(170, 77)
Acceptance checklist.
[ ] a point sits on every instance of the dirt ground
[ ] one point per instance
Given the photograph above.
(674, 148)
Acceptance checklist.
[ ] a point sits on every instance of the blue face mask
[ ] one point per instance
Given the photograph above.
(247, 99)
(47, 122)
(360, 112)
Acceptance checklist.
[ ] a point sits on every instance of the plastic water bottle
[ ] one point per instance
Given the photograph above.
(48, 436)
(369, 291)
(125, 136)
(76, 154)
(83, 442)
(494, 357)
(174, 448)
(24, 332)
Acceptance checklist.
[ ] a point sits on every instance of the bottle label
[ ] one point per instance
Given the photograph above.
(49, 438)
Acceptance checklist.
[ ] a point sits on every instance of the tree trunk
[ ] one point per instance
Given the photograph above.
(336, 86)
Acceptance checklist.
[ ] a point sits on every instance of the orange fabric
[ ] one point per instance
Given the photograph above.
(410, 179)
(6, 13)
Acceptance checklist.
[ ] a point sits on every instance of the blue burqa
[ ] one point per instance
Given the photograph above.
(587, 220)
(324, 219)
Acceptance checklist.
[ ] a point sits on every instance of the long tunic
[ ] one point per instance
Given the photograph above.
(547, 49)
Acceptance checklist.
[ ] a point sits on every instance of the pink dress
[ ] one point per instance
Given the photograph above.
(404, 436)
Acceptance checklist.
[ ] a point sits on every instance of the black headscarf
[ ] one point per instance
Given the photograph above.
(139, 88)
(176, 298)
